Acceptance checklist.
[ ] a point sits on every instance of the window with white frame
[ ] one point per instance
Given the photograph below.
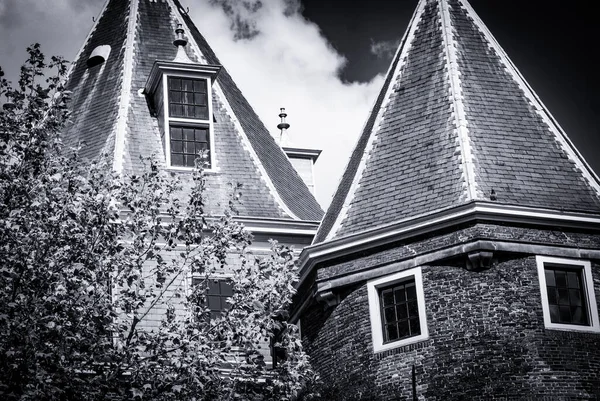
(181, 99)
(397, 310)
(567, 291)
(188, 121)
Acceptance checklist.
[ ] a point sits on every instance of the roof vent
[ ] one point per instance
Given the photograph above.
(98, 56)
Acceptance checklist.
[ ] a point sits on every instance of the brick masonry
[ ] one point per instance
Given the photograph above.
(486, 336)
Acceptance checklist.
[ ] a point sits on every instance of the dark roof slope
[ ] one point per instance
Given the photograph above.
(95, 90)
(110, 114)
(454, 121)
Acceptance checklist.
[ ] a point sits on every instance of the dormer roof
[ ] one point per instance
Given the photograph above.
(454, 123)
(111, 113)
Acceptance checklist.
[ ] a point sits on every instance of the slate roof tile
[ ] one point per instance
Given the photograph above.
(96, 97)
(415, 165)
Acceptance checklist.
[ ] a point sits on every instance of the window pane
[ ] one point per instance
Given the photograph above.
(561, 278)
(187, 85)
(411, 292)
(201, 112)
(550, 277)
(554, 315)
(575, 297)
(176, 159)
(397, 305)
(413, 308)
(578, 315)
(563, 296)
(200, 85)
(392, 332)
(201, 135)
(189, 160)
(226, 288)
(176, 133)
(175, 110)
(573, 279)
(404, 329)
(213, 287)
(415, 327)
(214, 302)
(189, 148)
(200, 99)
(564, 313)
(388, 297)
(187, 111)
(552, 298)
(400, 294)
(389, 315)
(176, 146)
(401, 311)
(175, 83)
(174, 97)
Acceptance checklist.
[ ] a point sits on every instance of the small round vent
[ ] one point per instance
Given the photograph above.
(98, 56)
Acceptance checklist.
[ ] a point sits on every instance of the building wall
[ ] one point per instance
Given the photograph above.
(486, 340)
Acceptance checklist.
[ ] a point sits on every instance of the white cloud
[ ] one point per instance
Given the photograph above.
(287, 62)
(60, 26)
(384, 49)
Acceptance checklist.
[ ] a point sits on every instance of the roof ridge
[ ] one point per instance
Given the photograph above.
(456, 99)
(126, 87)
(565, 143)
(393, 71)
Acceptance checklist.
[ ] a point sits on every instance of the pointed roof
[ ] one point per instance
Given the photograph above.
(455, 123)
(111, 114)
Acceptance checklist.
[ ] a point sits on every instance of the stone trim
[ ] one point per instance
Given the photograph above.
(375, 312)
(588, 283)
(424, 224)
(126, 88)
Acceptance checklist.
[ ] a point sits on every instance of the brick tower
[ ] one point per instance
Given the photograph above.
(459, 257)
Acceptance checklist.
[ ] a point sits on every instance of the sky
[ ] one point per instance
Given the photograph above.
(324, 60)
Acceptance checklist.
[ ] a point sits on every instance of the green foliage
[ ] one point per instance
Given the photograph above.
(89, 259)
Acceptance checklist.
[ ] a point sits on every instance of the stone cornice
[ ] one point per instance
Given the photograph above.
(475, 211)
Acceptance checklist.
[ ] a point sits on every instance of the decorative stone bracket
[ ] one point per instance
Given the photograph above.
(479, 260)
(328, 298)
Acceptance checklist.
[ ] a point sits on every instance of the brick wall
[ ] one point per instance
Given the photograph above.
(486, 340)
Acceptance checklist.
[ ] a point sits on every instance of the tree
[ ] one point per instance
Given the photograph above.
(86, 257)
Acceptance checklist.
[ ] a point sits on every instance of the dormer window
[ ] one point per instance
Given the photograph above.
(188, 121)
(181, 92)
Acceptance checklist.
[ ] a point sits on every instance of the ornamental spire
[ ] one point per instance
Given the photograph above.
(180, 41)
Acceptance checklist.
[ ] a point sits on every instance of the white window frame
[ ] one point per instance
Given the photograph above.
(192, 121)
(373, 287)
(590, 296)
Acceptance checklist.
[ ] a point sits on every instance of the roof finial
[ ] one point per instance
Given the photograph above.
(180, 41)
(282, 125)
